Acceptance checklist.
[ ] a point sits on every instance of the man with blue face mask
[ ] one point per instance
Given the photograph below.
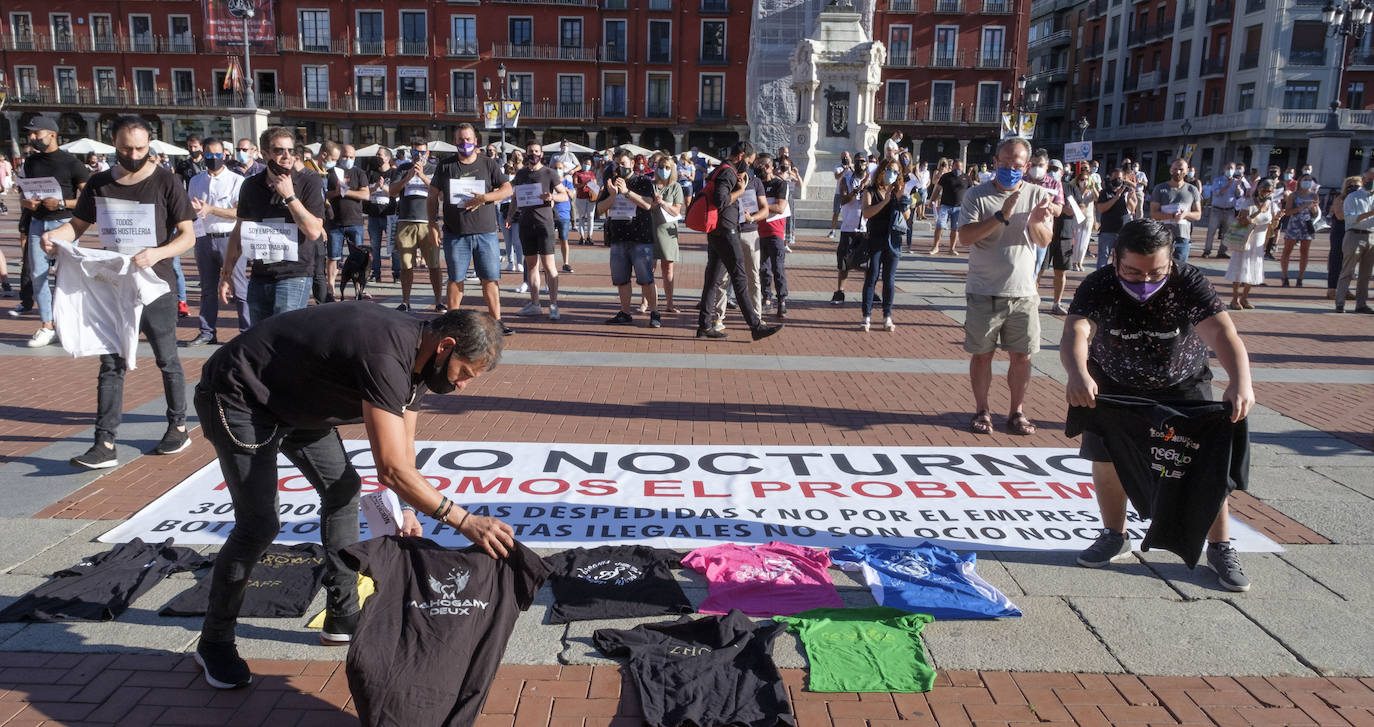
(1004, 222)
(1142, 328)
(1227, 190)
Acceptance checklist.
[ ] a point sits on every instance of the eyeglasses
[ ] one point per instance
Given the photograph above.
(213, 155)
(1138, 276)
(278, 151)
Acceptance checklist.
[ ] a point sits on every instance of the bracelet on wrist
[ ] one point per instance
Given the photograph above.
(462, 520)
(438, 511)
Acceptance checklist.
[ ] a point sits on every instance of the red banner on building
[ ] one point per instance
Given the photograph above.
(224, 25)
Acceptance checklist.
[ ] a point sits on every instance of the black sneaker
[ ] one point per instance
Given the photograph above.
(655, 320)
(765, 330)
(403, 307)
(620, 319)
(175, 440)
(338, 630)
(204, 339)
(711, 333)
(1206, 254)
(440, 308)
(224, 669)
(1223, 558)
(782, 308)
(1110, 547)
(1223, 256)
(732, 305)
(837, 298)
(99, 456)
(20, 310)
(567, 268)
(507, 330)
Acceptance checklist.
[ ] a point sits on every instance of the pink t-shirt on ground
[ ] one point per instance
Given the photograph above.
(776, 579)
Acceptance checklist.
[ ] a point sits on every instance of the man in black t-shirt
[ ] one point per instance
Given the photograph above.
(44, 162)
(952, 185)
(380, 209)
(1142, 327)
(537, 236)
(193, 164)
(346, 191)
(281, 215)
(364, 364)
(722, 246)
(142, 210)
(466, 188)
(410, 189)
(625, 201)
(1112, 208)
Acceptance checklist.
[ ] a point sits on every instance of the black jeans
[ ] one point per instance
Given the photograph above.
(247, 452)
(159, 325)
(722, 248)
(773, 267)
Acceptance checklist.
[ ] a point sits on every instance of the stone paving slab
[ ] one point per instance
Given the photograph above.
(1057, 573)
(1320, 631)
(1360, 479)
(1304, 483)
(1344, 569)
(1342, 522)
(1049, 636)
(1273, 578)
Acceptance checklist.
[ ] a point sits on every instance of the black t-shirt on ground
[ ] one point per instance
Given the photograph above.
(952, 188)
(1177, 461)
(540, 215)
(432, 636)
(284, 582)
(639, 229)
(348, 212)
(458, 221)
(716, 670)
(1150, 345)
(66, 169)
(1115, 216)
(313, 368)
(162, 194)
(257, 202)
(615, 581)
(101, 587)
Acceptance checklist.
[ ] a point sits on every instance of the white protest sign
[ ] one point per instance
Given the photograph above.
(270, 241)
(672, 496)
(748, 205)
(623, 209)
(125, 225)
(1078, 151)
(785, 214)
(39, 187)
(528, 195)
(1077, 211)
(460, 191)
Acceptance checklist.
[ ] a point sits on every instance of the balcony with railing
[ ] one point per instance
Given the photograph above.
(1092, 50)
(1362, 58)
(925, 113)
(997, 7)
(1057, 38)
(544, 52)
(1212, 67)
(1086, 92)
(462, 105)
(715, 7)
(1219, 12)
(369, 47)
(1130, 83)
(715, 115)
(328, 102)
(1248, 60)
(717, 59)
(945, 59)
(901, 58)
(902, 6)
(461, 48)
(1050, 75)
(661, 110)
(301, 44)
(992, 60)
(1148, 80)
(412, 47)
(1181, 70)
(949, 7)
(1097, 8)
(577, 3)
(1314, 57)
(413, 103)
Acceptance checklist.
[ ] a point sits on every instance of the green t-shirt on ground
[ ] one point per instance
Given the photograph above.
(874, 649)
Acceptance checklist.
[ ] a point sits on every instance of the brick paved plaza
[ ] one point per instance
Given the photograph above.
(1149, 642)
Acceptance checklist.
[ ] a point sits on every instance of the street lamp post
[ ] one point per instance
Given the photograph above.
(1023, 102)
(1083, 128)
(501, 109)
(248, 99)
(1346, 19)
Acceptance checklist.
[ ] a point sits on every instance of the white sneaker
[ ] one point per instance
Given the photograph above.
(530, 309)
(523, 288)
(44, 337)
(544, 290)
(553, 312)
(519, 267)
(830, 235)
(888, 325)
(864, 325)
(510, 267)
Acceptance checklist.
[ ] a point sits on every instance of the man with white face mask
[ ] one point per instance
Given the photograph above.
(1038, 173)
(346, 189)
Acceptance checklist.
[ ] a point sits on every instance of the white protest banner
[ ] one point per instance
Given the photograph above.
(460, 191)
(270, 240)
(1078, 151)
(1077, 211)
(623, 209)
(784, 215)
(748, 206)
(39, 187)
(671, 496)
(125, 225)
(528, 195)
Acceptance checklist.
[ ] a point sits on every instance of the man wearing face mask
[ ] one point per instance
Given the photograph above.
(1357, 261)
(246, 162)
(1004, 222)
(537, 237)
(414, 239)
(283, 206)
(214, 196)
(587, 189)
(366, 364)
(1177, 205)
(346, 190)
(750, 253)
(193, 164)
(159, 228)
(1227, 190)
(1113, 207)
(46, 161)
(1042, 173)
(1142, 327)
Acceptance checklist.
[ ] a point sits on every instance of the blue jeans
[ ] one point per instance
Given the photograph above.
(515, 251)
(376, 228)
(181, 279)
(1181, 247)
(39, 265)
(209, 260)
(885, 256)
(1106, 243)
(353, 234)
(637, 257)
(267, 297)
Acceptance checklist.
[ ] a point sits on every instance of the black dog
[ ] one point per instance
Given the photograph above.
(357, 268)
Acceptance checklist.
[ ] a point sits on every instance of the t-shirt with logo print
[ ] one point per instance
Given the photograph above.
(764, 580)
(160, 201)
(926, 578)
(716, 670)
(284, 582)
(1140, 347)
(614, 581)
(431, 637)
(874, 649)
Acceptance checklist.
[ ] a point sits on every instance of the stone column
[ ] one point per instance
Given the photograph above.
(635, 134)
(15, 132)
(91, 121)
(915, 148)
(963, 151)
(679, 135)
(591, 139)
(1259, 156)
(539, 135)
(346, 134)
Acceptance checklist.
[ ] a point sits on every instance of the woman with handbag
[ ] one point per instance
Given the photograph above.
(1246, 240)
(886, 208)
(1303, 212)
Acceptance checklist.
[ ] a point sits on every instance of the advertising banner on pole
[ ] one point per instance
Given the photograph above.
(224, 25)
(491, 116)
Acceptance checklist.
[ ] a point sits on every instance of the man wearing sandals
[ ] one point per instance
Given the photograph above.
(1142, 327)
(1004, 222)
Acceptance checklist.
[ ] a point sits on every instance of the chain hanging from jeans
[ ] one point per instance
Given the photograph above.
(219, 406)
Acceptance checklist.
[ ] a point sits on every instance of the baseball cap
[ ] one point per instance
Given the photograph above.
(42, 123)
(1056, 164)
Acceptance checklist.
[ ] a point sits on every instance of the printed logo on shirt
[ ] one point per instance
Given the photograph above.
(445, 600)
(911, 566)
(1133, 335)
(1169, 452)
(689, 650)
(608, 571)
(772, 570)
(282, 560)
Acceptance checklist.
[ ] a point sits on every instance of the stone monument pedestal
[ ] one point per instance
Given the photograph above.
(248, 123)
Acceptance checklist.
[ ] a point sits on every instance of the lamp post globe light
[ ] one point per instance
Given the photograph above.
(501, 107)
(1082, 128)
(1345, 20)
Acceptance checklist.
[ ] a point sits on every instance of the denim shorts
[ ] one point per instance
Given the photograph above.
(948, 218)
(561, 226)
(337, 235)
(482, 251)
(636, 255)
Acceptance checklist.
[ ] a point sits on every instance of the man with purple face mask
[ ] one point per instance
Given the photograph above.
(1142, 327)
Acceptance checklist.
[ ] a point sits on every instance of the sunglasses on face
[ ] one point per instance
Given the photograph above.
(282, 151)
(213, 155)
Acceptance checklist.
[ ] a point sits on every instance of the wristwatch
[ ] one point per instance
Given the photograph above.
(289, 200)
(1001, 218)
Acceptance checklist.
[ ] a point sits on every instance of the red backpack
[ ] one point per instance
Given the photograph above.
(702, 214)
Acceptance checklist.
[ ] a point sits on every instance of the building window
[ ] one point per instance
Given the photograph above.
(521, 31)
(1214, 102)
(66, 84)
(658, 96)
(314, 30)
(1308, 46)
(1185, 59)
(899, 45)
(660, 41)
(145, 86)
(990, 102)
(613, 38)
(713, 41)
(61, 26)
(106, 87)
(570, 96)
(463, 91)
(1180, 105)
(1114, 29)
(896, 101)
(1354, 95)
(613, 94)
(1110, 86)
(414, 33)
(464, 40)
(316, 85)
(712, 96)
(569, 35)
(942, 101)
(521, 87)
(183, 86)
(371, 36)
(993, 46)
(21, 31)
(1246, 100)
(946, 45)
(102, 33)
(141, 33)
(179, 38)
(369, 87)
(1300, 94)
(413, 87)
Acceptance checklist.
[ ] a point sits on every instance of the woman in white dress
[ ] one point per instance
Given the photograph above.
(1255, 223)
